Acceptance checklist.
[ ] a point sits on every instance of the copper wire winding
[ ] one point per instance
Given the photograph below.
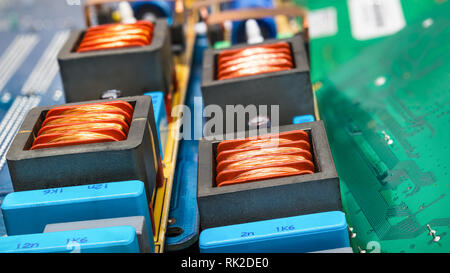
(254, 60)
(113, 36)
(253, 159)
(82, 124)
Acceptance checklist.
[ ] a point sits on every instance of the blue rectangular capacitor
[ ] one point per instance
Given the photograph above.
(28, 212)
(303, 119)
(119, 239)
(159, 110)
(297, 234)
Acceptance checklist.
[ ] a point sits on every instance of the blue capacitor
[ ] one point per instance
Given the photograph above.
(120, 239)
(159, 110)
(303, 119)
(28, 212)
(297, 234)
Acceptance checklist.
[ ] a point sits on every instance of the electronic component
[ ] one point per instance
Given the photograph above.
(29, 212)
(233, 77)
(264, 157)
(136, 157)
(83, 124)
(121, 239)
(114, 36)
(254, 60)
(269, 198)
(137, 222)
(87, 75)
(297, 234)
(303, 118)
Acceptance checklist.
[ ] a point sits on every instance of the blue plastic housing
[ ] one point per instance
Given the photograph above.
(28, 212)
(305, 233)
(303, 119)
(121, 239)
(159, 110)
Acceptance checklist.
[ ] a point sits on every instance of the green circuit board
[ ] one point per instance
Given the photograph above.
(386, 106)
(330, 51)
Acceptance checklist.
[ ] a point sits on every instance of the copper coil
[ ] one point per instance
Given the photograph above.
(237, 61)
(113, 36)
(268, 151)
(84, 109)
(253, 49)
(256, 64)
(254, 71)
(90, 117)
(111, 39)
(118, 30)
(81, 127)
(77, 136)
(265, 172)
(254, 60)
(114, 45)
(93, 36)
(265, 142)
(255, 52)
(262, 161)
(116, 27)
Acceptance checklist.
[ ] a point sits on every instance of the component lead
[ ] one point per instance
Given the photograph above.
(432, 232)
(361, 250)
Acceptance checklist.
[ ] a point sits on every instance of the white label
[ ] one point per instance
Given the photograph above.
(322, 22)
(371, 19)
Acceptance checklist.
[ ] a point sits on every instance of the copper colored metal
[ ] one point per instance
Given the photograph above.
(117, 27)
(254, 60)
(122, 105)
(81, 127)
(260, 143)
(254, 71)
(257, 57)
(130, 38)
(73, 136)
(259, 64)
(83, 124)
(113, 36)
(268, 151)
(262, 161)
(90, 117)
(263, 157)
(255, 52)
(89, 108)
(263, 173)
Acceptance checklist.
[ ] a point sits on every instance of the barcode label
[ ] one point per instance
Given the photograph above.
(371, 19)
(322, 22)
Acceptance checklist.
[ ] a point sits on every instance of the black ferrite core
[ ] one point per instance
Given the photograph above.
(133, 71)
(136, 158)
(269, 198)
(290, 89)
